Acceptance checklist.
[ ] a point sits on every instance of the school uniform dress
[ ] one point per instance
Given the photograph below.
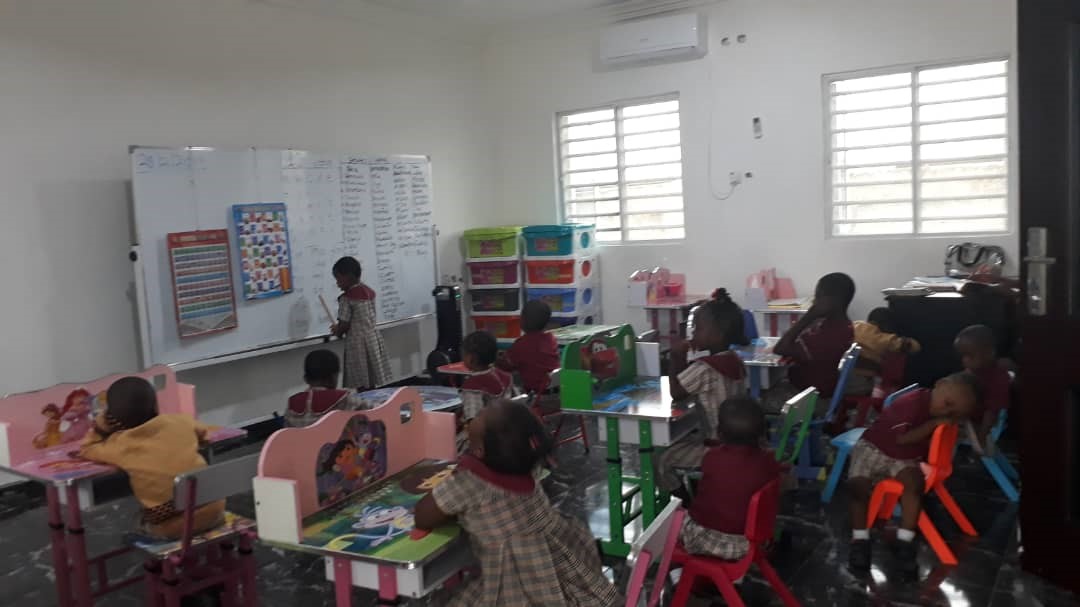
(305, 408)
(877, 456)
(482, 388)
(731, 475)
(995, 386)
(818, 350)
(534, 356)
(530, 555)
(366, 364)
(152, 455)
(710, 380)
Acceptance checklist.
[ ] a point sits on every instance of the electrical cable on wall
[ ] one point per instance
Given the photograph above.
(733, 184)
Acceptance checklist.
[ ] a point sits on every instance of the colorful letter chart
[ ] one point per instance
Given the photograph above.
(262, 234)
(202, 282)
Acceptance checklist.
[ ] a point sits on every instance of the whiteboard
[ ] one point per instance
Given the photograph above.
(375, 208)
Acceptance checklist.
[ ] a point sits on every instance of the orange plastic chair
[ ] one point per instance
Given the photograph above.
(937, 470)
(760, 522)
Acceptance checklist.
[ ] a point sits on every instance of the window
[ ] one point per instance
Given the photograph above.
(920, 151)
(621, 168)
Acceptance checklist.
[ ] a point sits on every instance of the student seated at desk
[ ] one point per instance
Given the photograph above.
(715, 326)
(486, 384)
(891, 448)
(735, 467)
(530, 554)
(535, 354)
(976, 346)
(152, 449)
(815, 344)
(877, 338)
(321, 369)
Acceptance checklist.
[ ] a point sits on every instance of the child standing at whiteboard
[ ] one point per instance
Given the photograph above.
(366, 363)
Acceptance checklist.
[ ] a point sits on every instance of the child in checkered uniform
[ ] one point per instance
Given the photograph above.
(891, 448)
(366, 363)
(715, 326)
(530, 555)
(733, 470)
(485, 385)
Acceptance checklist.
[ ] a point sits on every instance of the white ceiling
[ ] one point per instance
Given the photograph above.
(494, 12)
(486, 14)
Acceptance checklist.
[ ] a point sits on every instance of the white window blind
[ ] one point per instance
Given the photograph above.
(620, 167)
(920, 151)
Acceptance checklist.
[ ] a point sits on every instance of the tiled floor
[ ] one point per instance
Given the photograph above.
(812, 563)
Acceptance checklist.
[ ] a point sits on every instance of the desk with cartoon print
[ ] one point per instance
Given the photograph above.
(599, 379)
(436, 398)
(345, 488)
(50, 457)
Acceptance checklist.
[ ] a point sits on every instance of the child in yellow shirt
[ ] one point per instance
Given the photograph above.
(152, 449)
(877, 338)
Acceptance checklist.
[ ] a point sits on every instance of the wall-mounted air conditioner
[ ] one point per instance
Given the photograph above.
(665, 39)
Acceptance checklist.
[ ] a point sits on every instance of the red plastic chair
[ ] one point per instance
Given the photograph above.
(893, 367)
(938, 469)
(760, 522)
(544, 413)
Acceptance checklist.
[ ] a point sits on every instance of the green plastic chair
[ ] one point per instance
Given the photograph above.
(797, 414)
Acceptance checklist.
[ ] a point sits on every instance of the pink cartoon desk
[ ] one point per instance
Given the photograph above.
(345, 488)
(40, 434)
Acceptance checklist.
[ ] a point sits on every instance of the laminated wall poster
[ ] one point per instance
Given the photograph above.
(202, 282)
(262, 235)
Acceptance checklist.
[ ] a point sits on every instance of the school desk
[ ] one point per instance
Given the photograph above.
(436, 398)
(69, 479)
(640, 413)
(780, 319)
(455, 372)
(355, 507)
(572, 333)
(759, 362)
(678, 314)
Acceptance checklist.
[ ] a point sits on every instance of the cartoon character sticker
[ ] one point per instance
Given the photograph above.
(600, 359)
(50, 436)
(76, 416)
(355, 460)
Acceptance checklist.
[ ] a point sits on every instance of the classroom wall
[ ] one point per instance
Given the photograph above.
(777, 218)
(81, 81)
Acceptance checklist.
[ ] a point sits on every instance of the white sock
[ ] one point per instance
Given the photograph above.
(905, 535)
(860, 534)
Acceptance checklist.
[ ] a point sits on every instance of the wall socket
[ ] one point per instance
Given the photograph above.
(735, 178)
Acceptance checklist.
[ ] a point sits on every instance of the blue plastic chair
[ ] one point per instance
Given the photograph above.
(845, 442)
(804, 467)
(998, 465)
(749, 325)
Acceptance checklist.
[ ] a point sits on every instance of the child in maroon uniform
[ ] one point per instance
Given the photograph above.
(978, 353)
(486, 384)
(892, 447)
(321, 369)
(535, 354)
(733, 470)
(816, 343)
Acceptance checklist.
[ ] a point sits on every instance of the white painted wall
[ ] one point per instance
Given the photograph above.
(778, 217)
(81, 81)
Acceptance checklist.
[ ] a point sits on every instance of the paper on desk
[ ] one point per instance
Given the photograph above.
(797, 302)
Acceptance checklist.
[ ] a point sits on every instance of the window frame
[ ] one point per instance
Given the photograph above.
(1011, 176)
(618, 107)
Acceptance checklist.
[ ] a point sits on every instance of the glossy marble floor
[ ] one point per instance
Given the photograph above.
(812, 563)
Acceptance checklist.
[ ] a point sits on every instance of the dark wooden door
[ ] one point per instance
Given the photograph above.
(1049, 76)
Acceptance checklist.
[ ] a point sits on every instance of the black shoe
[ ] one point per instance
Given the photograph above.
(859, 556)
(906, 557)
